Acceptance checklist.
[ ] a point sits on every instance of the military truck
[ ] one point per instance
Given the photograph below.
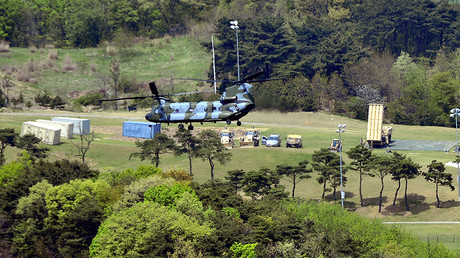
(377, 134)
(250, 138)
(227, 138)
(294, 140)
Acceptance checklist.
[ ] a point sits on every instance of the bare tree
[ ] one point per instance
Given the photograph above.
(83, 144)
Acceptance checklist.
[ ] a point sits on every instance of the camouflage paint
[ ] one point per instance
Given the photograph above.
(235, 103)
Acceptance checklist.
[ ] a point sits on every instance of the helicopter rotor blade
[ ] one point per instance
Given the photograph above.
(153, 89)
(139, 97)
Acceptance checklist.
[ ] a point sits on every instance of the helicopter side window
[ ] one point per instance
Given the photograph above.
(220, 108)
(177, 110)
(191, 110)
(213, 108)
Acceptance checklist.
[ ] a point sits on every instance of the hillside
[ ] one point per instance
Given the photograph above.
(71, 73)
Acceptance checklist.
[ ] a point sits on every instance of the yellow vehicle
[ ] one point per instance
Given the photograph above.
(335, 145)
(250, 138)
(294, 140)
(227, 138)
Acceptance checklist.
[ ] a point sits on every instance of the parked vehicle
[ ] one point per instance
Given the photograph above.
(264, 140)
(294, 140)
(250, 138)
(227, 138)
(274, 141)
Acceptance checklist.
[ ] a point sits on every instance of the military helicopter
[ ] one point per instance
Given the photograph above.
(235, 102)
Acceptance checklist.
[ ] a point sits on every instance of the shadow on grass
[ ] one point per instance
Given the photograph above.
(416, 203)
(374, 201)
(447, 204)
(330, 197)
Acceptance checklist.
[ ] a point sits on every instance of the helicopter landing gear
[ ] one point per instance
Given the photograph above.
(228, 122)
(238, 123)
(181, 126)
(190, 127)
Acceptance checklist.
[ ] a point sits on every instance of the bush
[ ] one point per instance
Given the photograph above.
(92, 98)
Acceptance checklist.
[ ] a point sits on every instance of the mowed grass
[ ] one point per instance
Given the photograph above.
(111, 152)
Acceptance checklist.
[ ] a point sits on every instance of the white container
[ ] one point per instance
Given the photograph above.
(46, 134)
(66, 127)
(80, 126)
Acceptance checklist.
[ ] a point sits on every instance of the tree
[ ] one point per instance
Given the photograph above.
(327, 165)
(188, 144)
(382, 166)
(295, 173)
(7, 138)
(236, 178)
(147, 228)
(405, 169)
(75, 211)
(83, 145)
(261, 183)
(211, 149)
(151, 149)
(437, 175)
(167, 195)
(361, 163)
(30, 236)
(29, 142)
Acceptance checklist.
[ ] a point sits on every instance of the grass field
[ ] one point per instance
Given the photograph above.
(111, 152)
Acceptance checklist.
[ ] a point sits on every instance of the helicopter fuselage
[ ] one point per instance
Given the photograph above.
(235, 103)
(203, 111)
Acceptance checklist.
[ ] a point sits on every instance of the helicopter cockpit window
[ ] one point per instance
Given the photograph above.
(220, 108)
(177, 110)
(213, 108)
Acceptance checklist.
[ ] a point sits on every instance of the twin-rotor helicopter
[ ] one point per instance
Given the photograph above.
(235, 102)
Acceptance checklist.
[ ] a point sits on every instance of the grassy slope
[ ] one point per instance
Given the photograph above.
(154, 60)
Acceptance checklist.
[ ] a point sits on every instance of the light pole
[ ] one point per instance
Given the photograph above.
(234, 26)
(340, 131)
(455, 112)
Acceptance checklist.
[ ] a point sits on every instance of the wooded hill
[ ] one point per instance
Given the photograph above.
(335, 55)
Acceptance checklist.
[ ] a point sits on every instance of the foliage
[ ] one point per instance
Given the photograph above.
(361, 163)
(75, 211)
(129, 175)
(294, 173)
(7, 138)
(29, 142)
(89, 99)
(264, 182)
(134, 192)
(9, 172)
(211, 149)
(167, 195)
(187, 144)
(241, 250)
(146, 228)
(151, 149)
(30, 232)
(235, 178)
(177, 174)
(437, 175)
(327, 165)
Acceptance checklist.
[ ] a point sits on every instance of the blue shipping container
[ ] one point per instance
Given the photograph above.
(144, 130)
(80, 126)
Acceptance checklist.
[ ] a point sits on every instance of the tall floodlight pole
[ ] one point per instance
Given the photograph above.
(340, 131)
(234, 26)
(455, 112)
(214, 65)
